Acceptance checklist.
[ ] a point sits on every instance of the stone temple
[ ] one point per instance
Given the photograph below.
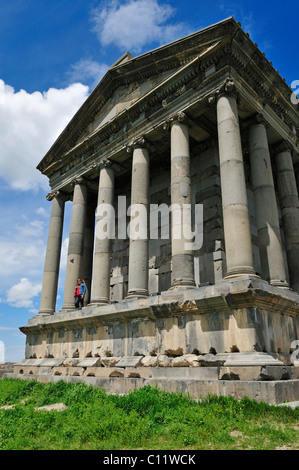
(203, 122)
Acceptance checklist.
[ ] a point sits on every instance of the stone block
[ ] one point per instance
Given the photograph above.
(150, 361)
(239, 373)
(71, 362)
(117, 372)
(75, 371)
(252, 359)
(26, 370)
(29, 362)
(89, 362)
(164, 361)
(109, 361)
(212, 360)
(51, 362)
(98, 371)
(257, 372)
(187, 360)
(138, 372)
(185, 373)
(45, 370)
(63, 371)
(129, 361)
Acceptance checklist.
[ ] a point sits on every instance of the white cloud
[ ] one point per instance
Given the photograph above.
(29, 125)
(21, 257)
(87, 71)
(132, 24)
(22, 294)
(41, 211)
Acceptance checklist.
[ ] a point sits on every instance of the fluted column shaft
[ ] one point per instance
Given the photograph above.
(100, 291)
(53, 252)
(76, 243)
(289, 204)
(138, 231)
(237, 234)
(180, 186)
(267, 220)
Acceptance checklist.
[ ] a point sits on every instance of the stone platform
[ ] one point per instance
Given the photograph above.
(232, 338)
(273, 383)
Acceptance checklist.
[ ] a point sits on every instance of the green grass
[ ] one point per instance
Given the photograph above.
(145, 419)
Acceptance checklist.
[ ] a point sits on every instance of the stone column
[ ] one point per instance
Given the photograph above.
(289, 205)
(238, 248)
(267, 220)
(76, 243)
(53, 252)
(138, 248)
(100, 290)
(180, 186)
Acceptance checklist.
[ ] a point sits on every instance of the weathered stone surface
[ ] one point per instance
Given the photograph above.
(208, 360)
(185, 373)
(251, 359)
(117, 372)
(129, 361)
(138, 372)
(89, 362)
(51, 362)
(75, 371)
(59, 371)
(109, 361)
(71, 362)
(149, 361)
(187, 360)
(164, 361)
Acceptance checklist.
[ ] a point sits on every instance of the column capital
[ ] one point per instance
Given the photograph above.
(79, 180)
(282, 146)
(105, 163)
(228, 87)
(56, 194)
(180, 117)
(257, 118)
(140, 142)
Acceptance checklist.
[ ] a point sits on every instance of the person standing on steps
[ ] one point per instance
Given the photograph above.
(79, 294)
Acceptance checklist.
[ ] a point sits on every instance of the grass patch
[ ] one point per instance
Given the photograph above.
(145, 419)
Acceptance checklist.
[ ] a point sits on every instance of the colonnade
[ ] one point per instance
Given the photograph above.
(236, 222)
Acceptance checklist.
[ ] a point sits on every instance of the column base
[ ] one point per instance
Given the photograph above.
(138, 293)
(183, 284)
(241, 271)
(43, 313)
(278, 283)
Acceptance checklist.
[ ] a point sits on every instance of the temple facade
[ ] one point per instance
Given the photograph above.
(205, 123)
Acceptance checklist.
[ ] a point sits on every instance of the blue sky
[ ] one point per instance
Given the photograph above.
(52, 54)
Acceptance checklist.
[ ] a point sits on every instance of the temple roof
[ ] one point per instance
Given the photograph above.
(132, 83)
